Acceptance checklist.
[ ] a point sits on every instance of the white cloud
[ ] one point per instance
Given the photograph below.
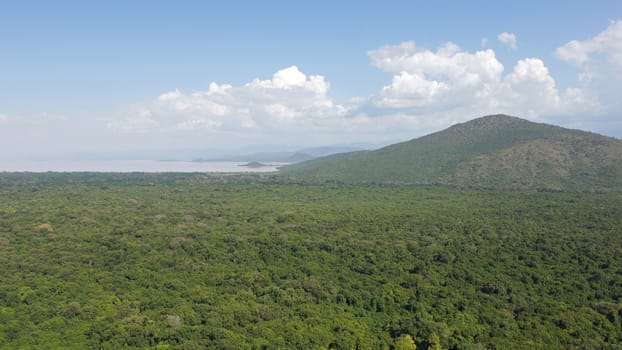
(530, 85)
(169, 96)
(530, 91)
(286, 79)
(291, 78)
(427, 90)
(3, 117)
(599, 57)
(289, 100)
(607, 43)
(452, 84)
(599, 60)
(508, 39)
(431, 80)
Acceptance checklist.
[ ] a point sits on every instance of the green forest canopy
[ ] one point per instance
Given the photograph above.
(191, 261)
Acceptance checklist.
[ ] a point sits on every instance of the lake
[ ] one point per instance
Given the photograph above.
(125, 166)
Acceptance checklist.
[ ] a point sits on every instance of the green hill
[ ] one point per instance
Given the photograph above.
(496, 151)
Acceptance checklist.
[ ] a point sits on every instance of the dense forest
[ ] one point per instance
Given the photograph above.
(193, 261)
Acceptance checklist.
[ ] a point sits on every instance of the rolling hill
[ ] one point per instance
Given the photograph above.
(496, 151)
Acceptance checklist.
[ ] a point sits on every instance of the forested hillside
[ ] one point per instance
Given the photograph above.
(496, 151)
(243, 262)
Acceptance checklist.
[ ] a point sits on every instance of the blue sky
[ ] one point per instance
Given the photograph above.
(87, 77)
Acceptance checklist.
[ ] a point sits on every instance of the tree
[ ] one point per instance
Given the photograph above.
(434, 342)
(405, 342)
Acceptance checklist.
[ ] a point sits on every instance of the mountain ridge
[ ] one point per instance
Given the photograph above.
(495, 151)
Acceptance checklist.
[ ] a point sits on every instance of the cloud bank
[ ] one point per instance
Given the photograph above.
(290, 100)
(458, 83)
(427, 90)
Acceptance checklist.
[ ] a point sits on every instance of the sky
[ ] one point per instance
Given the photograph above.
(147, 78)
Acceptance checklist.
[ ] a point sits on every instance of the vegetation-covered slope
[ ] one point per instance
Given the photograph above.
(194, 262)
(495, 151)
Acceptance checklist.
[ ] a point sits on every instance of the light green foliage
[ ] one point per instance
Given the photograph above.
(176, 261)
(434, 342)
(405, 342)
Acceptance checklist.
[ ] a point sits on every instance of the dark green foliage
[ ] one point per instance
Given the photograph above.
(491, 152)
(176, 261)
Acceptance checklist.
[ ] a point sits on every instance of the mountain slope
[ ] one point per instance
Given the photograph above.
(496, 151)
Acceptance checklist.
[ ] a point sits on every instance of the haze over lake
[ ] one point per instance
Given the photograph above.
(148, 166)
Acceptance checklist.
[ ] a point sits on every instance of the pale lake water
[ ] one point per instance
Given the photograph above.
(126, 166)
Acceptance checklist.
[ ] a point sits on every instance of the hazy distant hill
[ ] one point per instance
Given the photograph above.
(283, 157)
(496, 151)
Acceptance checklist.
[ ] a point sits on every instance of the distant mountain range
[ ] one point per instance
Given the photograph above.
(284, 157)
(496, 151)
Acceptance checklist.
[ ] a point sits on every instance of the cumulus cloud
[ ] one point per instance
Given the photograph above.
(599, 60)
(427, 80)
(454, 82)
(290, 99)
(599, 57)
(530, 91)
(508, 39)
(608, 43)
